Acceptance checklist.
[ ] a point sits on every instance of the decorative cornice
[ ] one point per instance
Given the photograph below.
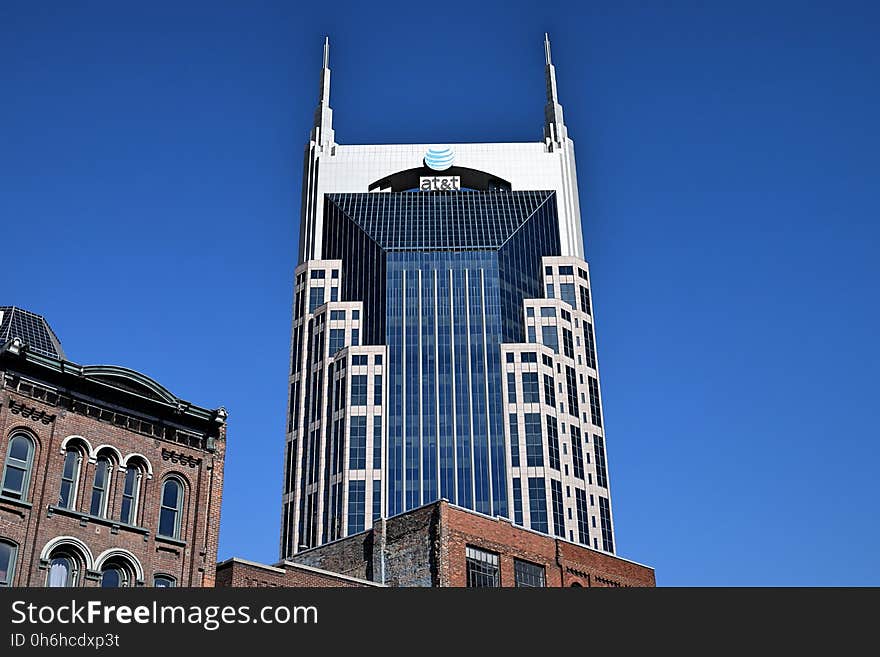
(30, 412)
(130, 422)
(181, 458)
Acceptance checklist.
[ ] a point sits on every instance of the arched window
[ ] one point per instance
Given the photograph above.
(8, 554)
(70, 478)
(17, 472)
(101, 483)
(63, 570)
(164, 582)
(116, 573)
(131, 488)
(169, 513)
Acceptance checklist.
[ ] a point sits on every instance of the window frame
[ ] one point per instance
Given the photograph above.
(11, 564)
(73, 493)
(27, 467)
(172, 581)
(476, 557)
(519, 574)
(135, 495)
(178, 510)
(105, 491)
(74, 566)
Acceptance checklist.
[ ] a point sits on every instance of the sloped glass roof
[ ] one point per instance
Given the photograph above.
(426, 221)
(33, 330)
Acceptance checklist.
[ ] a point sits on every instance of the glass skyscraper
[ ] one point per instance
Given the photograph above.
(442, 340)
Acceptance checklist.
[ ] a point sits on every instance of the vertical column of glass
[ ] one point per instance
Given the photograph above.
(497, 415)
(461, 381)
(479, 402)
(394, 418)
(445, 413)
(412, 381)
(429, 380)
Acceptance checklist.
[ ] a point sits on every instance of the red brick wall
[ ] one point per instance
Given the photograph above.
(240, 574)
(32, 526)
(564, 563)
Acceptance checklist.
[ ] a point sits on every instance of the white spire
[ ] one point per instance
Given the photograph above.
(555, 131)
(322, 130)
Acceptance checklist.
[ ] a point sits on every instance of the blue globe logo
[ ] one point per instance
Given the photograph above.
(439, 158)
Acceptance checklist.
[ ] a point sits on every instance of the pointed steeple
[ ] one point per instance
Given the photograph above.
(555, 131)
(322, 130)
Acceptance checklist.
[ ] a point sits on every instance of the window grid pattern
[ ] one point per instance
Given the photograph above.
(482, 568)
(528, 574)
(537, 504)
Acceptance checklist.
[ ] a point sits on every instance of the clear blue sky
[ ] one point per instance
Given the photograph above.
(150, 163)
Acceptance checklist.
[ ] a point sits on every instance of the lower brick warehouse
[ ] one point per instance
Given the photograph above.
(108, 479)
(444, 545)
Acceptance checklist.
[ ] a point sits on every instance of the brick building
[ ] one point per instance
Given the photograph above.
(247, 574)
(443, 545)
(107, 479)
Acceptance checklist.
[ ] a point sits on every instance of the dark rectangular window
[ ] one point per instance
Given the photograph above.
(357, 442)
(377, 499)
(601, 469)
(585, 300)
(531, 391)
(558, 513)
(482, 568)
(552, 442)
(357, 499)
(316, 298)
(377, 442)
(528, 574)
(377, 389)
(359, 359)
(528, 357)
(511, 387)
(550, 337)
(317, 273)
(566, 270)
(582, 273)
(514, 441)
(537, 504)
(337, 340)
(571, 381)
(582, 515)
(355, 337)
(605, 519)
(334, 293)
(359, 390)
(530, 334)
(517, 501)
(577, 452)
(548, 311)
(567, 343)
(595, 408)
(534, 444)
(549, 391)
(566, 293)
(589, 345)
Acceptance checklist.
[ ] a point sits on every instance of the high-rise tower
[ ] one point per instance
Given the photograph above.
(442, 343)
